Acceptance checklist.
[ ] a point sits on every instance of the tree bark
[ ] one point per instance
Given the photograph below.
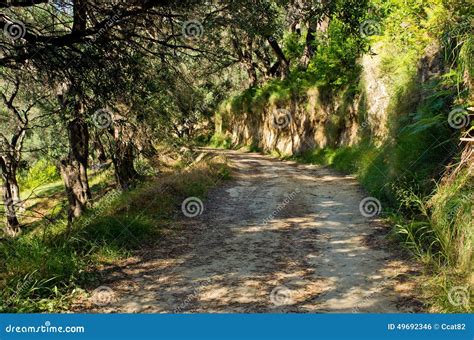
(122, 159)
(284, 63)
(123, 154)
(99, 148)
(252, 73)
(245, 55)
(9, 200)
(75, 190)
(313, 27)
(309, 51)
(74, 167)
(9, 161)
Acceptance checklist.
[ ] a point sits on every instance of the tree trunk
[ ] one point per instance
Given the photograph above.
(123, 153)
(15, 189)
(9, 160)
(9, 200)
(75, 190)
(313, 28)
(252, 73)
(122, 159)
(284, 63)
(245, 53)
(74, 168)
(265, 60)
(309, 48)
(99, 148)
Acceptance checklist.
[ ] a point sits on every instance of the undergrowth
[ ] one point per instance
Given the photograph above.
(406, 168)
(45, 271)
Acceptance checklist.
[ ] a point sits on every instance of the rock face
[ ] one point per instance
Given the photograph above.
(319, 117)
(315, 118)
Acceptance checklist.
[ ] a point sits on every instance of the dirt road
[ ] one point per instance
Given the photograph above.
(278, 237)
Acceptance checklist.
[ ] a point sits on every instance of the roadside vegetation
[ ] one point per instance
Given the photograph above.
(51, 265)
(421, 166)
(104, 105)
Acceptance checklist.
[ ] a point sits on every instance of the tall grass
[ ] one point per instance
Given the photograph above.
(46, 270)
(432, 216)
(436, 225)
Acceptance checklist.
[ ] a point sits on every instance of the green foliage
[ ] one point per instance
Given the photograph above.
(442, 237)
(450, 215)
(293, 46)
(431, 216)
(40, 173)
(144, 167)
(44, 272)
(220, 141)
(334, 66)
(335, 61)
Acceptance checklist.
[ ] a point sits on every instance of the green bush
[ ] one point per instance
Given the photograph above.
(40, 173)
(335, 62)
(42, 272)
(220, 141)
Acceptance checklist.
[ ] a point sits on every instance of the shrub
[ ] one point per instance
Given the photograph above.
(40, 173)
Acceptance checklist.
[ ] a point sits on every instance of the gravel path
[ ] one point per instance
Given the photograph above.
(279, 237)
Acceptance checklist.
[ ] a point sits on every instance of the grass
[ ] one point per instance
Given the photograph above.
(46, 270)
(220, 141)
(405, 168)
(436, 226)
